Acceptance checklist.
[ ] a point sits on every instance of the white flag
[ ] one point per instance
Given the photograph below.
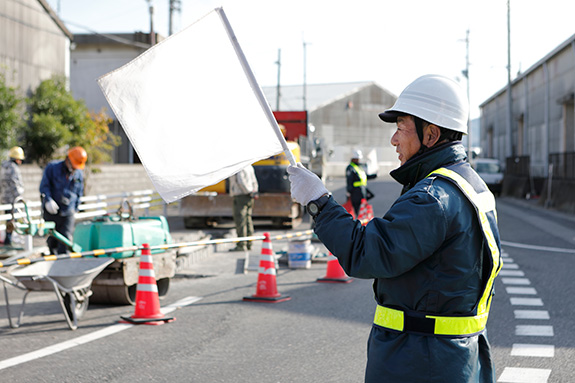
(190, 110)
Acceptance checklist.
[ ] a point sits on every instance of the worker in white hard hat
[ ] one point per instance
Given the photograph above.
(433, 256)
(356, 181)
(11, 185)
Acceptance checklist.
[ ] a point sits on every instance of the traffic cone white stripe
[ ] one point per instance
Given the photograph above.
(266, 257)
(270, 271)
(147, 273)
(147, 287)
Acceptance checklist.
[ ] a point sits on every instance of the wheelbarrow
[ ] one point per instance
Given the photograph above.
(70, 279)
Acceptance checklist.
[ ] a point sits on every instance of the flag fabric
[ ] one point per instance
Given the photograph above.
(189, 109)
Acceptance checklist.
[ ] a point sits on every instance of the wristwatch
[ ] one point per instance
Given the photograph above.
(315, 207)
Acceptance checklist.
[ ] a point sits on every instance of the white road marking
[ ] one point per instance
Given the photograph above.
(526, 301)
(86, 338)
(533, 350)
(513, 266)
(512, 273)
(533, 330)
(515, 281)
(507, 259)
(533, 247)
(531, 314)
(521, 290)
(524, 375)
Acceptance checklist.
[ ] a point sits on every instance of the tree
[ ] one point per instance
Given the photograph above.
(11, 111)
(58, 120)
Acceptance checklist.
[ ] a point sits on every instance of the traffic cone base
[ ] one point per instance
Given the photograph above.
(335, 273)
(266, 290)
(147, 299)
(148, 321)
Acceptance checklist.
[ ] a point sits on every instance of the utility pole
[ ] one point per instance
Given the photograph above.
(175, 6)
(466, 74)
(152, 33)
(279, 64)
(304, 77)
(508, 135)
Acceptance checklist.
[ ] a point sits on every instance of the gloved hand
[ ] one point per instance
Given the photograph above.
(51, 206)
(305, 185)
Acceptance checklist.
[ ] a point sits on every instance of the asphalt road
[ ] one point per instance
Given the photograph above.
(319, 335)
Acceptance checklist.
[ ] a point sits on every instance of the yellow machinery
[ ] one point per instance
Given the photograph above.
(213, 204)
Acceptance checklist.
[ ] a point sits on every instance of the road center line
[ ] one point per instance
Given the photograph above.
(533, 247)
(86, 338)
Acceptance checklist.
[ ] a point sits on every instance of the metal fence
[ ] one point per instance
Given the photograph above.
(93, 206)
(563, 165)
(518, 166)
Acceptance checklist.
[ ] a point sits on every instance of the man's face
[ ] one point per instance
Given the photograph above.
(405, 139)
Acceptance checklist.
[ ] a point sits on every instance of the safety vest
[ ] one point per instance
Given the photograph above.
(361, 174)
(464, 325)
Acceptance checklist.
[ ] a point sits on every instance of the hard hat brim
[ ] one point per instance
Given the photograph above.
(390, 116)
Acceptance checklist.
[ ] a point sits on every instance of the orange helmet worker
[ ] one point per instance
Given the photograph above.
(77, 157)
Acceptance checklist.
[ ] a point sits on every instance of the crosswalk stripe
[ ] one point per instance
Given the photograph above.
(515, 281)
(533, 330)
(524, 375)
(511, 273)
(526, 301)
(533, 350)
(521, 290)
(531, 314)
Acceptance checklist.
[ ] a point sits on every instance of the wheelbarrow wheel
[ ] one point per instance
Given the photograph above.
(76, 307)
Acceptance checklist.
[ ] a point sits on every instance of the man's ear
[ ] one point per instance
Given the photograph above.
(431, 134)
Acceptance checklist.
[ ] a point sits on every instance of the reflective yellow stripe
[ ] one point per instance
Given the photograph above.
(361, 174)
(484, 202)
(50, 258)
(455, 326)
(388, 318)
(463, 325)
(99, 252)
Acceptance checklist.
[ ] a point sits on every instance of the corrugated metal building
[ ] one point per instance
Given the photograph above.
(344, 117)
(538, 139)
(34, 43)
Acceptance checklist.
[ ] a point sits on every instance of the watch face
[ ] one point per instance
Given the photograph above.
(312, 208)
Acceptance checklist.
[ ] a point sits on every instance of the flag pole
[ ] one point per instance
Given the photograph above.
(255, 87)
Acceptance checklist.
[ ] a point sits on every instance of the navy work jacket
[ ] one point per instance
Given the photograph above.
(63, 187)
(425, 255)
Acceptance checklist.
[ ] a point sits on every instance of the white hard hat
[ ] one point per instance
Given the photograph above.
(357, 154)
(435, 99)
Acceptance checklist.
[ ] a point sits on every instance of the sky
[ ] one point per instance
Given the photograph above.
(389, 42)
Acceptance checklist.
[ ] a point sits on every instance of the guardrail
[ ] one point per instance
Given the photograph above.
(92, 206)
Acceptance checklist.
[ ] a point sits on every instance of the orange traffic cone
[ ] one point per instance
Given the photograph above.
(365, 212)
(266, 290)
(335, 273)
(147, 298)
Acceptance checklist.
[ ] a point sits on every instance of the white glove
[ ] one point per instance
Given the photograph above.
(51, 206)
(305, 185)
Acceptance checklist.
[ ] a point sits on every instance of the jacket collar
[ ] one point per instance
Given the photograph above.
(417, 168)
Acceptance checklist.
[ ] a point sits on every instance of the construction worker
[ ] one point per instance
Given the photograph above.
(356, 181)
(61, 187)
(244, 190)
(11, 185)
(433, 256)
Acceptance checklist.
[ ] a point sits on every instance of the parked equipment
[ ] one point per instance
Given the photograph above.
(117, 283)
